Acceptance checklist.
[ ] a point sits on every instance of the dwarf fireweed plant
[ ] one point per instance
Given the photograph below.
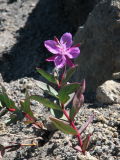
(68, 97)
(64, 118)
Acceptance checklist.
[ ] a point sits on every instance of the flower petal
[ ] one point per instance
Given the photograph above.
(73, 52)
(51, 45)
(69, 62)
(66, 39)
(60, 61)
(51, 58)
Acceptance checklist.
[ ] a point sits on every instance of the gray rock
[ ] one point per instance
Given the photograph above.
(116, 75)
(100, 49)
(109, 92)
(86, 157)
(98, 150)
(78, 10)
(6, 40)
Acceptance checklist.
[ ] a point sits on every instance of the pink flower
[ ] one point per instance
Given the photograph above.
(62, 50)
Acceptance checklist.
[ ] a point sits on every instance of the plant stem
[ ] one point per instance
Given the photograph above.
(19, 145)
(63, 76)
(67, 116)
(73, 126)
(7, 147)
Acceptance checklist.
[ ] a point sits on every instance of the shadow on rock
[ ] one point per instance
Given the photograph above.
(46, 20)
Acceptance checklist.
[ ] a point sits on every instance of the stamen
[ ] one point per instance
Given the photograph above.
(56, 40)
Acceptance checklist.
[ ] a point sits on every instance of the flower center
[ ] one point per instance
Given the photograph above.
(62, 48)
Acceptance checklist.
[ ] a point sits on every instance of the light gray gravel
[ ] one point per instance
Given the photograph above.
(104, 144)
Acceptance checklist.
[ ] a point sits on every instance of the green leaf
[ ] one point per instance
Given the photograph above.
(25, 107)
(69, 74)
(6, 101)
(72, 113)
(56, 113)
(46, 75)
(46, 102)
(63, 126)
(13, 119)
(48, 89)
(66, 90)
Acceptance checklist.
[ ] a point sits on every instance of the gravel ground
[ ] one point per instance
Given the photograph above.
(105, 142)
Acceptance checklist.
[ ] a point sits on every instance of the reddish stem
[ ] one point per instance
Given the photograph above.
(19, 145)
(63, 76)
(73, 126)
(67, 116)
(7, 147)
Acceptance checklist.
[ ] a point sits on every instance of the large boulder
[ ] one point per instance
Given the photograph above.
(78, 10)
(109, 92)
(100, 44)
